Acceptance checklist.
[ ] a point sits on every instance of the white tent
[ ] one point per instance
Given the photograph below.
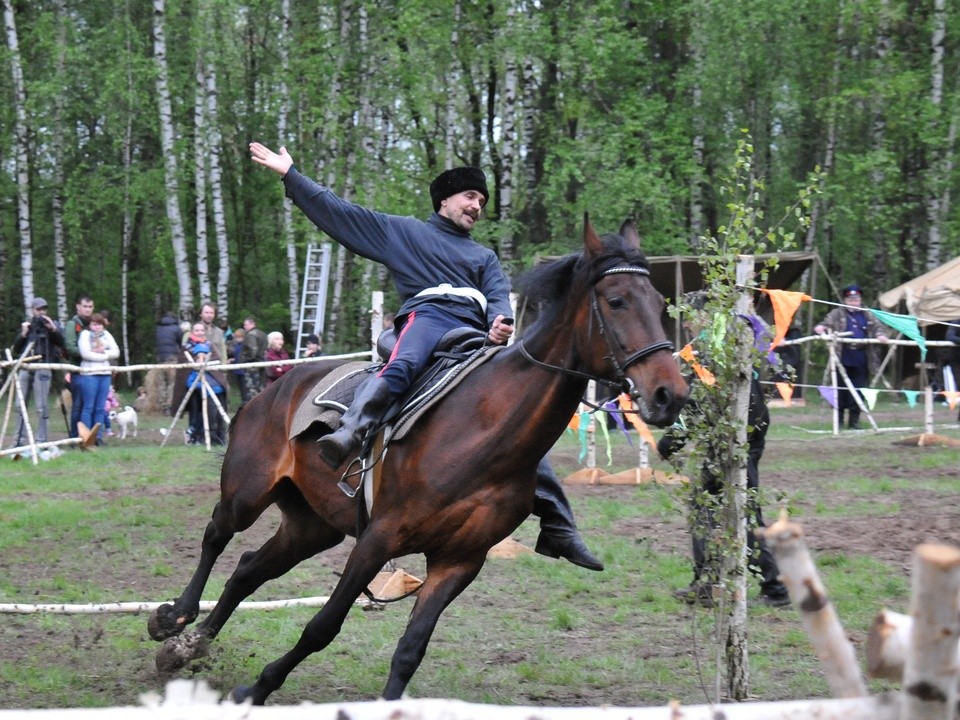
(934, 296)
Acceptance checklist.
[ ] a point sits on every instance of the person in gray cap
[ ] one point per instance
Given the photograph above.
(445, 281)
(48, 342)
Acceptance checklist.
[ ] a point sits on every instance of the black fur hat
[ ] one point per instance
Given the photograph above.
(457, 180)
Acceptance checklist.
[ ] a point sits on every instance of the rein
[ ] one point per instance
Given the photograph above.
(619, 365)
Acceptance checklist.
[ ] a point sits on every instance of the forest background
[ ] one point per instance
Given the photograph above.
(124, 170)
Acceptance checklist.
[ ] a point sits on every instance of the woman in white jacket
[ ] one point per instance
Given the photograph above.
(97, 348)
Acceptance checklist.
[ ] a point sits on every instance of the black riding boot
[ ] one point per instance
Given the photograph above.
(372, 399)
(559, 536)
(854, 422)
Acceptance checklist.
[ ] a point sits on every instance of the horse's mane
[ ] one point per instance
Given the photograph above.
(545, 286)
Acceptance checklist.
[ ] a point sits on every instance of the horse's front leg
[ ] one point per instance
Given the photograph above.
(170, 620)
(365, 561)
(444, 582)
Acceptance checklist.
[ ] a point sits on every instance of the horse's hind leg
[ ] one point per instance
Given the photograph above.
(301, 535)
(443, 584)
(365, 561)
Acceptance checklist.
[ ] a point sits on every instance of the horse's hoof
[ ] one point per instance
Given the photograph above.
(165, 622)
(242, 694)
(178, 651)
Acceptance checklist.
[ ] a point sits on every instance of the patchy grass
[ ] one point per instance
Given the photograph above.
(125, 524)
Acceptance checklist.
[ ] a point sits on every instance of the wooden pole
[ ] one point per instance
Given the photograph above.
(799, 574)
(931, 671)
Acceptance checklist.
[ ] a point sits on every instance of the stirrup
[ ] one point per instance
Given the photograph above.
(344, 485)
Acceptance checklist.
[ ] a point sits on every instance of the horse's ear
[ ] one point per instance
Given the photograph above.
(628, 231)
(591, 241)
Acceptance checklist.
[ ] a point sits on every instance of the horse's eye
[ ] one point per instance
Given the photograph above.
(616, 303)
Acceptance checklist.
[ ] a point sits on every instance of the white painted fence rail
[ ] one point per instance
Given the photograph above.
(186, 700)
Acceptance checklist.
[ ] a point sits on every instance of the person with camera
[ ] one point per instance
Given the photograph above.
(48, 342)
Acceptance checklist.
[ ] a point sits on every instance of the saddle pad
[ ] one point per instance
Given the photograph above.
(307, 412)
(417, 406)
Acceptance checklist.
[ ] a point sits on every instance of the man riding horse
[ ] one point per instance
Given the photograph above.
(445, 281)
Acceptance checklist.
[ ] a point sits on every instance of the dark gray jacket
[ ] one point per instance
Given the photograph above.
(418, 254)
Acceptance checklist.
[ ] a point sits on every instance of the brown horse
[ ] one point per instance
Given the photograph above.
(451, 489)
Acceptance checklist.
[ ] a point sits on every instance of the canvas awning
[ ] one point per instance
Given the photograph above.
(931, 297)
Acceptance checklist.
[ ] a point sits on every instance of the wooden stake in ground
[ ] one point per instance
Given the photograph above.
(823, 627)
(931, 671)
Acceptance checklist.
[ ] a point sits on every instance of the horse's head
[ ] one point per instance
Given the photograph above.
(624, 339)
(600, 318)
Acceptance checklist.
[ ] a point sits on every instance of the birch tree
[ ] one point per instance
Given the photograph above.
(289, 241)
(171, 184)
(936, 184)
(200, 170)
(215, 151)
(57, 201)
(21, 154)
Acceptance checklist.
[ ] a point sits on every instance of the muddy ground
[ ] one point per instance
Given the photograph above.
(919, 513)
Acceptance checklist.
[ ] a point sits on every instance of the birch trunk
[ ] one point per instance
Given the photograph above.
(452, 82)
(735, 506)
(214, 151)
(200, 174)
(508, 241)
(127, 212)
(22, 154)
(293, 278)
(365, 133)
(171, 186)
(935, 178)
(336, 90)
(57, 203)
(878, 132)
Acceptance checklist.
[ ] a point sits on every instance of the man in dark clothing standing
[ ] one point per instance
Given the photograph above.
(168, 352)
(445, 281)
(48, 342)
(760, 561)
(76, 325)
(857, 360)
(253, 350)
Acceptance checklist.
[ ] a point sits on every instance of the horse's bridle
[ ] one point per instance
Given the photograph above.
(620, 366)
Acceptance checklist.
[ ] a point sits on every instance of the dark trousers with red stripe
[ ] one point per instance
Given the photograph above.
(418, 337)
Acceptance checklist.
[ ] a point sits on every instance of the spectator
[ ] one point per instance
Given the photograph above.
(113, 403)
(254, 350)
(313, 347)
(705, 497)
(859, 361)
(275, 351)
(202, 351)
(97, 348)
(168, 336)
(953, 357)
(48, 342)
(77, 324)
(215, 335)
(235, 348)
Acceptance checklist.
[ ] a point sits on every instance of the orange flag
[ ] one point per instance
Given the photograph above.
(686, 354)
(627, 404)
(952, 397)
(785, 304)
(786, 392)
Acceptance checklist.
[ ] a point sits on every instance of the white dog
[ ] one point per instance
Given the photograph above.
(126, 418)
